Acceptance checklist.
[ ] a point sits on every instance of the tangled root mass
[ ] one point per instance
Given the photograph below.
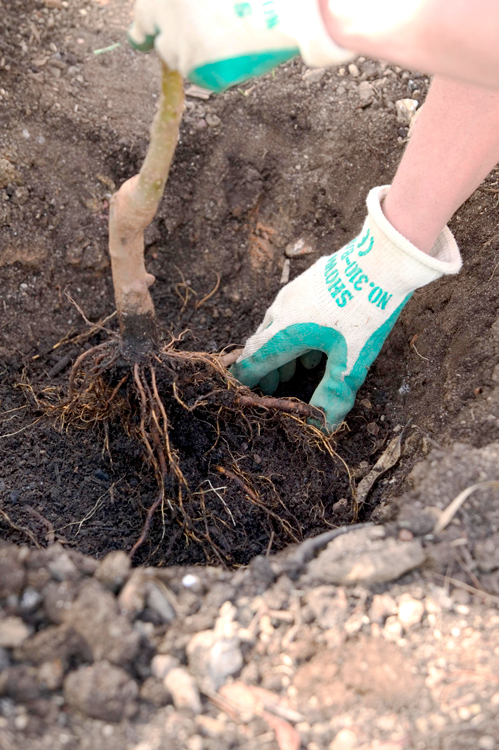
(208, 452)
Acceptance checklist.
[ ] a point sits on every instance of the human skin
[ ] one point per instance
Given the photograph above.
(454, 38)
(454, 145)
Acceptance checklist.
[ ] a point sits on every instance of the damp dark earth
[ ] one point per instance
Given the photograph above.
(282, 162)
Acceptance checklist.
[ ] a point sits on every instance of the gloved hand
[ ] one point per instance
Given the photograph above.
(345, 305)
(219, 43)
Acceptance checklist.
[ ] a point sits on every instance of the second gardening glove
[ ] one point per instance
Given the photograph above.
(219, 43)
(345, 305)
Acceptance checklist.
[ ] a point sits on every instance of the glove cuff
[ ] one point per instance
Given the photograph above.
(306, 25)
(445, 258)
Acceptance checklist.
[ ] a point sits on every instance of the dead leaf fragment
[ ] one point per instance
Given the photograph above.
(385, 462)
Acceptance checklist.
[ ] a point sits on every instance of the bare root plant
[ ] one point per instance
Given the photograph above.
(130, 377)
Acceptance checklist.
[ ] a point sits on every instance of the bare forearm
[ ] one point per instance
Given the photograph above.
(456, 38)
(454, 146)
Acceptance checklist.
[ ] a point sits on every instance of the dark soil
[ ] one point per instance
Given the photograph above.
(259, 167)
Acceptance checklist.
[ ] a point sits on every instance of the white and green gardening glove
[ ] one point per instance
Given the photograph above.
(219, 43)
(345, 305)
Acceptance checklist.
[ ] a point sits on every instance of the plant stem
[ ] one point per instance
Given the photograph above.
(132, 208)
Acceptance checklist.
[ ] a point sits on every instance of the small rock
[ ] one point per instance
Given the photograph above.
(113, 570)
(95, 616)
(328, 605)
(354, 623)
(157, 601)
(30, 600)
(410, 612)
(182, 686)
(21, 684)
(13, 632)
(211, 727)
(487, 742)
(132, 597)
(51, 674)
(487, 554)
(383, 605)
(406, 109)
(365, 92)
(214, 658)
(102, 691)
(4, 659)
(314, 75)
(298, 249)
(12, 573)
(54, 642)
(154, 691)
(346, 739)
(366, 556)
(370, 68)
(162, 664)
(353, 70)
(192, 582)
(393, 629)
(438, 600)
(405, 535)
(213, 120)
(195, 742)
(62, 568)
(58, 599)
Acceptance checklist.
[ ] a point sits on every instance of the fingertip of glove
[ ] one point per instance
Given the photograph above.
(269, 382)
(140, 42)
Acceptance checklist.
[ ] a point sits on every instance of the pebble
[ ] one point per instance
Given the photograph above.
(161, 664)
(214, 658)
(13, 632)
(366, 556)
(62, 568)
(314, 75)
(383, 605)
(487, 742)
(346, 739)
(4, 659)
(113, 570)
(51, 674)
(213, 120)
(102, 691)
(393, 629)
(298, 249)
(30, 600)
(365, 92)
(184, 691)
(157, 601)
(410, 612)
(406, 109)
(438, 600)
(195, 742)
(353, 70)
